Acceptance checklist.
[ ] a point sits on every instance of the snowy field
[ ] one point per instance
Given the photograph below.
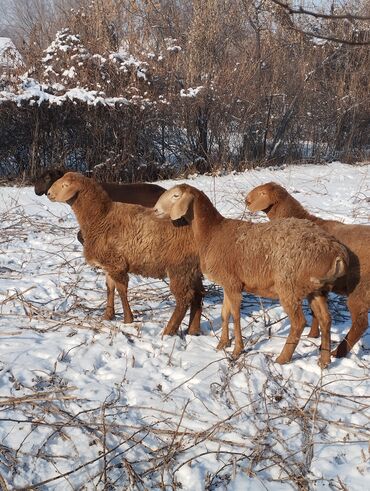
(91, 405)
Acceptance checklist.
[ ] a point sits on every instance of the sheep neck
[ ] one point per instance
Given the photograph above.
(289, 207)
(91, 205)
(206, 217)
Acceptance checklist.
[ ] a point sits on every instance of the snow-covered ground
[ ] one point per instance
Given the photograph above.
(87, 404)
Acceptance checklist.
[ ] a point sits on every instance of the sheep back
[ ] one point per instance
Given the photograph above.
(289, 252)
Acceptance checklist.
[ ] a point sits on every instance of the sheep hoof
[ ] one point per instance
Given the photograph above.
(128, 319)
(236, 353)
(281, 360)
(334, 353)
(169, 332)
(324, 359)
(313, 334)
(108, 316)
(324, 362)
(193, 332)
(223, 344)
(340, 352)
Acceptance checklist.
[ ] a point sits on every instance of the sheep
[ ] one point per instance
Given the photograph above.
(140, 194)
(289, 259)
(277, 203)
(126, 238)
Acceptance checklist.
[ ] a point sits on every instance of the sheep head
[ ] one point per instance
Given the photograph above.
(262, 197)
(44, 182)
(176, 203)
(65, 188)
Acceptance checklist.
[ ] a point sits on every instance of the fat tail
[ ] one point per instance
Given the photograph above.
(338, 269)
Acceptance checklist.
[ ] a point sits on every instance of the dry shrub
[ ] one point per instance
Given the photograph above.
(209, 83)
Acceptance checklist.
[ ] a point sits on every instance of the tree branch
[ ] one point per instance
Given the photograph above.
(318, 15)
(331, 38)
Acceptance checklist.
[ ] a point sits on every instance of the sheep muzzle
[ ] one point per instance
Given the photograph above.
(258, 201)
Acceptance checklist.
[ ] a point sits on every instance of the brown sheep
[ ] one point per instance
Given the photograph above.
(140, 194)
(289, 260)
(277, 203)
(124, 238)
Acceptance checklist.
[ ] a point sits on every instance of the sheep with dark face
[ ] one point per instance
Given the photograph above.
(277, 203)
(288, 259)
(123, 238)
(141, 193)
(47, 179)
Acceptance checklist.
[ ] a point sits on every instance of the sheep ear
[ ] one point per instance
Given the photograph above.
(181, 207)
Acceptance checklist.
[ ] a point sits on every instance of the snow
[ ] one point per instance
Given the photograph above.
(35, 93)
(172, 46)
(174, 49)
(9, 55)
(128, 62)
(92, 404)
(191, 92)
(71, 73)
(62, 63)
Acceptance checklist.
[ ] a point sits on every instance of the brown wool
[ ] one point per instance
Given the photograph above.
(288, 259)
(355, 284)
(125, 238)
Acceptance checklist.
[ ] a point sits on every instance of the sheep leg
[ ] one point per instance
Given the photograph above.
(196, 309)
(298, 321)
(225, 316)
(121, 283)
(235, 300)
(109, 309)
(176, 319)
(358, 310)
(314, 331)
(183, 299)
(319, 306)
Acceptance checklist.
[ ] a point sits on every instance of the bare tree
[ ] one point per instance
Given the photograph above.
(348, 24)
